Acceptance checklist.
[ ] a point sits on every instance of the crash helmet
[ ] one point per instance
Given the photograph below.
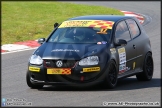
(79, 33)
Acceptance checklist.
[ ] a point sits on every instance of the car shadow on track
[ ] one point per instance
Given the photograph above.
(123, 84)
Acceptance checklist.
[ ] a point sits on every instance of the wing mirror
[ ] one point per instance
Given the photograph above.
(56, 24)
(121, 42)
(41, 40)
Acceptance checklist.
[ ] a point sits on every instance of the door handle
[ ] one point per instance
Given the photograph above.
(134, 46)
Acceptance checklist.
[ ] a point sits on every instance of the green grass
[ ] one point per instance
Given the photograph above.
(23, 21)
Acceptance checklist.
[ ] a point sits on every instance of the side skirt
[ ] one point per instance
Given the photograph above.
(129, 73)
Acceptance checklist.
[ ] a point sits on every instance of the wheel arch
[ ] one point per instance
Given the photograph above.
(116, 63)
(145, 56)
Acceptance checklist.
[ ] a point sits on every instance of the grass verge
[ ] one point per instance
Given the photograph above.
(26, 20)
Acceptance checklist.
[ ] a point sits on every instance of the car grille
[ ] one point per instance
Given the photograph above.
(66, 63)
(52, 78)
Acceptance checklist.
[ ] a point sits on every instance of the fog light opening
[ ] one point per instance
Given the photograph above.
(32, 76)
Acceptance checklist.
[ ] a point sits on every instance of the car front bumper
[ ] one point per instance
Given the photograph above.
(76, 78)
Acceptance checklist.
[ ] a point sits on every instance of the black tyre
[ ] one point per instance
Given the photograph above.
(33, 86)
(111, 78)
(148, 68)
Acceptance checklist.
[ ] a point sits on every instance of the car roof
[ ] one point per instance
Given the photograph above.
(101, 17)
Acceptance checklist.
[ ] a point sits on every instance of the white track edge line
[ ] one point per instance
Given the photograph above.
(19, 50)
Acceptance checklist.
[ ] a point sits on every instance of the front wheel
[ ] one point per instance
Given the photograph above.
(33, 86)
(148, 68)
(111, 78)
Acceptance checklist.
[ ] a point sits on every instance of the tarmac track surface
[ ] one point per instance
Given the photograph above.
(14, 66)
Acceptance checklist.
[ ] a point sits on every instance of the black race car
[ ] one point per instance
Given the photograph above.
(90, 50)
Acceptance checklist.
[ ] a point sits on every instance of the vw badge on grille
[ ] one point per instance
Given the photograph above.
(59, 63)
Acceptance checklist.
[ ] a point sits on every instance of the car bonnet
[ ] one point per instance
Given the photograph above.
(70, 51)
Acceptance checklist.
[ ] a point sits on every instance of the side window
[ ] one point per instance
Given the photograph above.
(133, 28)
(122, 31)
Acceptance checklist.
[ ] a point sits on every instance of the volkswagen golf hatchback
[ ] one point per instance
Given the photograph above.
(89, 50)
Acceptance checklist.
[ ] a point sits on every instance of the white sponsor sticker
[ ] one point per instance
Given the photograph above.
(122, 55)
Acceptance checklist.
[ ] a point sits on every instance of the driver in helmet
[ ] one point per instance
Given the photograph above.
(79, 34)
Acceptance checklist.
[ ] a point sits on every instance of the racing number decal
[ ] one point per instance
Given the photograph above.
(103, 31)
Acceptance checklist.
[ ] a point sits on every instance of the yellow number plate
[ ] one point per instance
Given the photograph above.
(64, 71)
(34, 69)
(92, 69)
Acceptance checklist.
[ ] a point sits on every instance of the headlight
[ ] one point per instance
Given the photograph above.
(34, 59)
(92, 60)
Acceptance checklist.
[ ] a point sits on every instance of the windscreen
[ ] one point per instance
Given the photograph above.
(82, 31)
